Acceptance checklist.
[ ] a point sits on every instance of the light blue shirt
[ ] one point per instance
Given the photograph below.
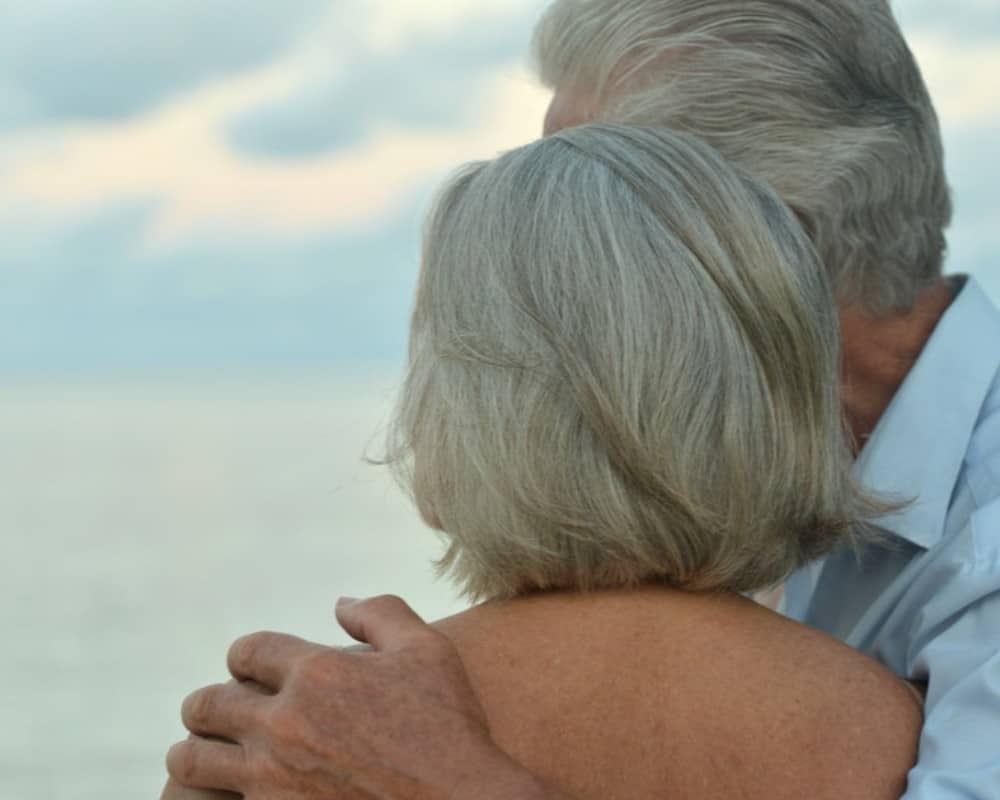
(927, 603)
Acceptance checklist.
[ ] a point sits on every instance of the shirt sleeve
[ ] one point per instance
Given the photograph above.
(956, 648)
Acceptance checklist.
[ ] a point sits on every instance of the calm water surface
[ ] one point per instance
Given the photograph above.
(146, 524)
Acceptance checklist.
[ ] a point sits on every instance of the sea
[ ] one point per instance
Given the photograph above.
(146, 523)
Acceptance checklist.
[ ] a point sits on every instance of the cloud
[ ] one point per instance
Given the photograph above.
(86, 299)
(259, 204)
(374, 103)
(961, 76)
(178, 156)
(965, 20)
(974, 239)
(78, 60)
(429, 78)
(151, 242)
(389, 23)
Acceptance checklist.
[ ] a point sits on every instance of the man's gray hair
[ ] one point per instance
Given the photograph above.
(821, 98)
(623, 368)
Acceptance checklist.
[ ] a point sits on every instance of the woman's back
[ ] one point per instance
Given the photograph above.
(656, 693)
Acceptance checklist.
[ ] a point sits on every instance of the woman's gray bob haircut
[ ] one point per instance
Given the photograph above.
(623, 369)
(821, 98)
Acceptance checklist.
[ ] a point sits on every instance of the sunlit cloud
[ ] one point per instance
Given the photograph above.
(196, 182)
(432, 80)
(390, 22)
(962, 77)
(179, 156)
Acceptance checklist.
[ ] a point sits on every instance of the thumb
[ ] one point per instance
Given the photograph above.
(386, 622)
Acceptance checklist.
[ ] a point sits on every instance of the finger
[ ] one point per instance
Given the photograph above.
(386, 622)
(226, 710)
(266, 657)
(175, 791)
(207, 764)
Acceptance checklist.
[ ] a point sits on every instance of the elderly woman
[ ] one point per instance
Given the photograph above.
(622, 412)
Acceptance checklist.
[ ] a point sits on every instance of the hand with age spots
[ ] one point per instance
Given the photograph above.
(306, 722)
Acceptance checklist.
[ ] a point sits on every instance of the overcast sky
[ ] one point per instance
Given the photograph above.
(238, 184)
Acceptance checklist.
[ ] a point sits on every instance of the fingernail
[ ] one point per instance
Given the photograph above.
(344, 602)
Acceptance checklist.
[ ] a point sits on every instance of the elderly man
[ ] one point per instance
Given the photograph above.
(824, 101)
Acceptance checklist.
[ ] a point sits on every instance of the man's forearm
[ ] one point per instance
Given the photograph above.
(510, 781)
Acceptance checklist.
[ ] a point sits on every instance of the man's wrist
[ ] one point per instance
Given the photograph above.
(503, 778)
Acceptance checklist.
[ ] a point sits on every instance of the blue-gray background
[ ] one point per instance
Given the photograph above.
(209, 219)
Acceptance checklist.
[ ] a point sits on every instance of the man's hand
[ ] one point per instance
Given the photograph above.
(307, 722)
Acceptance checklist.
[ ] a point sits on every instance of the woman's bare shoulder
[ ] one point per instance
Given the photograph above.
(683, 684)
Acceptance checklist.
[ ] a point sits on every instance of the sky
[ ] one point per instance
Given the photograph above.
(239, 184)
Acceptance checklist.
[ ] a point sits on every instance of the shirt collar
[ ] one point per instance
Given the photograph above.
(919, 444)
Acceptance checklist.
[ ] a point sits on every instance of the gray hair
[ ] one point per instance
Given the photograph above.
(821, 98)
(623, 369)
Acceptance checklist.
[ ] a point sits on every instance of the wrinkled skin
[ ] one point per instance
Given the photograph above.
(301, 721)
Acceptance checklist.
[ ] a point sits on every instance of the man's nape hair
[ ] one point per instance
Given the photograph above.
(821, 98)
